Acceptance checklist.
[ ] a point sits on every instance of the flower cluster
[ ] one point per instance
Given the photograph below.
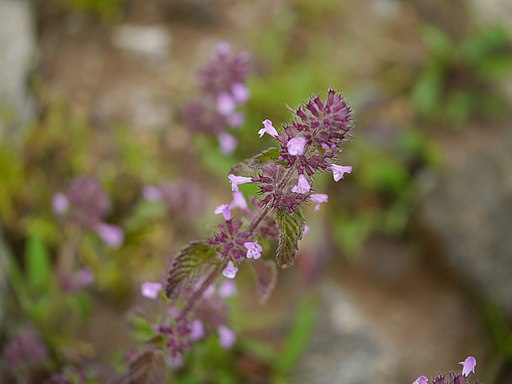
(86, 204)
(223, 91)
(468, 367)
(307, 146)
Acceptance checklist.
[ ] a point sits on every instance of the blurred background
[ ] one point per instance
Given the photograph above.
(406, 271)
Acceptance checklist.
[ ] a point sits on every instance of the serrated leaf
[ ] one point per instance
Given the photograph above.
(190, 263)
(148, 368)
(38, 264)
(265, 273)
(249, 166)
(290, 227)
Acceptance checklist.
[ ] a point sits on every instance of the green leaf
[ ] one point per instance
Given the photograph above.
(38, 264)
(265, 273)
(191, 262)
(290, 227)
(249, 166)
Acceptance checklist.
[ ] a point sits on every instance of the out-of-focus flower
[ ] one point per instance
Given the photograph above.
(226, 337)
(225, 104)
(302, 185)
(339, 170)
(150, 289)
(25, 351)
(468, 366)
(253, 249)
(318, 198)
(227, 289)
(421, 380)
(225, 209)
(296, 146)
(238, 200)
(112, 235)
(240, 93)
(268, 128)
(230, 270)
(197, 330)
(306, 229)
(227, 143)
(152, 193)
(237, 180)
(60, 203)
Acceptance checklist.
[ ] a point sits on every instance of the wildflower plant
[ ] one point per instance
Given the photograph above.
(468, 367)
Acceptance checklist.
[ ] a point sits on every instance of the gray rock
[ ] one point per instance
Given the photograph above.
(17, 47)
(468, 207)
(346, 347)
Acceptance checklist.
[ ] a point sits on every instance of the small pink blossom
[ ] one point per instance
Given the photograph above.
(468, 366)
(230, 270)
(208, 293)
(237, 180)
(296, 146)
(240, 93)
(306, 229)
(112, 235)
(421, 380)
(60, 203)
(238, 200)
(318, 198)
(226, 337)
(227, 289)
(225, 209)
(267, 128)
(302, 185)
(253, 249)
(197, 330)
(339, 170)
(152, 193)
(225, 104)
(84, 277)
(223, 48)
(150, 289)
(236, 119)
(227, 143)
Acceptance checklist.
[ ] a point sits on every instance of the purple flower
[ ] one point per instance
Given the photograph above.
(253, 249)
(296, 146)
(468, 366)
(225, 209)
(152, 193)
(421, 380)
(339, 170)
(302, 186)
(60, 203)
(238, 200)
(230, 270)
(318, 198)
(223, 48)
(150, 289)
(226, 337)
(237, 180)
(84, 277)
(112, 235)
(197, 330)
(227, 289)
(236, 119)
(267, 128)
(225, 104)
(306, 229)
(208, 293)
(240, 93)
(227, 143)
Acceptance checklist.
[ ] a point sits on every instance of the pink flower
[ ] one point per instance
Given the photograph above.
(339, 170)
(238, 200)
(253, 249)
(223, 48)
(150, 289)
(227, 289)
(197, 330)
(296, 146)
(112, 235)
(240, 93)
(267, 128)
(152, 193)
(226, 337)
(230, 270)
(84, 277)
(227, 143)
(302, 185)
(236, 119)
(468, 366)
(237, 180)
(306, 229)
(318, 198)
(421, 380)
(225, 104)
(208, 293)
(60, 203)
(225, 209)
